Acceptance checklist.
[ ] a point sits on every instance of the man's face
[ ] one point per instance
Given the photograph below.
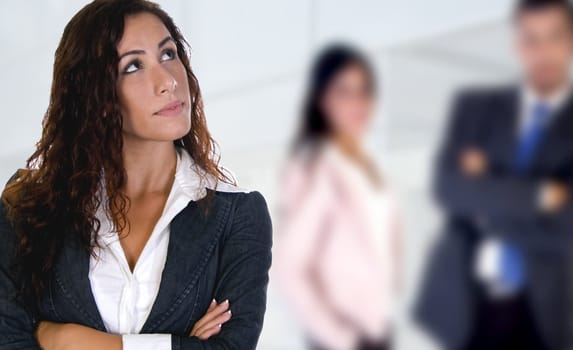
(544, 43)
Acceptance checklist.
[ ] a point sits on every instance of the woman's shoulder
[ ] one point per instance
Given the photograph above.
(243, 200)
(248, 218)
(246, 203)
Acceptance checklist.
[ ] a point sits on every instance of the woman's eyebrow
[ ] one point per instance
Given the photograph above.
(139, 52)
(165, 40)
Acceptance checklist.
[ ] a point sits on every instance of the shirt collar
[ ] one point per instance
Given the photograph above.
(188, 176)
(195, 181)
(190, 184)
(553, 101)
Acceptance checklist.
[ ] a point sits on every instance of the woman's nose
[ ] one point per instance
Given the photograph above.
(164, 81)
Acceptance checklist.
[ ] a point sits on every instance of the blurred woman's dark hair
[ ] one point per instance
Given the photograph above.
(333, 59)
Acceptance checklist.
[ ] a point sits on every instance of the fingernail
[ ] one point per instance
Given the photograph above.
(219, 325)
(229, 311)
(226, 301)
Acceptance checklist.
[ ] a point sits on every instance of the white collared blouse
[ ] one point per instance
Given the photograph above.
(125, 298)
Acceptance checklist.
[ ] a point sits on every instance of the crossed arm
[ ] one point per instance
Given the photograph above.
(466, 185)
(242, 279)
(70, 336)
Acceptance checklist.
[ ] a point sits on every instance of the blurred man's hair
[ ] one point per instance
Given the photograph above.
(529, 6)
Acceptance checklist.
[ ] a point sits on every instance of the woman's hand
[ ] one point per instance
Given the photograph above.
(70, 336)
(210, 323)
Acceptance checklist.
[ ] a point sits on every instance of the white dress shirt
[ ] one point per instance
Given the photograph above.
(529, 98)
(125, 298)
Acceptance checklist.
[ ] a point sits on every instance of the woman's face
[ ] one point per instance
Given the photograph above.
(348, 102)
(152, 83)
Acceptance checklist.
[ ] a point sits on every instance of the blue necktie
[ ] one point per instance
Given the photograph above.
(531, 137)
(512, 264)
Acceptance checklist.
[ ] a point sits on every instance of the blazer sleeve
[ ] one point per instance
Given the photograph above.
(242, 278)
(17, 321)
(490, 196)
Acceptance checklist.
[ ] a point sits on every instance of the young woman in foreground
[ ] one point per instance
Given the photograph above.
(123, 231)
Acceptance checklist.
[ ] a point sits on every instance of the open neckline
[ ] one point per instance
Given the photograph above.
(111, 237)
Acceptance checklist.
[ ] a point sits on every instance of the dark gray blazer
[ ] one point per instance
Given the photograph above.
(503, 203)
(226, 255)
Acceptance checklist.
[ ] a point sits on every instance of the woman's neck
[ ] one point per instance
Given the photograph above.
(348, 145)
(150, 166)
(352, 148)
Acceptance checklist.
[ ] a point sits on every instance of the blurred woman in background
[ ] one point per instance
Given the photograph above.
(337, 249)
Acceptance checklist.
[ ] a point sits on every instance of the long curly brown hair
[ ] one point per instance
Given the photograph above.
(56, 196)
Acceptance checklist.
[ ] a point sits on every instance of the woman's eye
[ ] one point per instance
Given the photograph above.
(132, 67)
(168, 55)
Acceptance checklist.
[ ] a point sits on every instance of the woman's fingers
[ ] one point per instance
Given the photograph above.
(198, 323)
(212, 305)
(215, 322)
(214, 312)
(211, 317)
(209, 332)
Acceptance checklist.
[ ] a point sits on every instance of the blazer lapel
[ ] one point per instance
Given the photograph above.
(192, 240)
(552, 137)
(72, 278)
(503, 127)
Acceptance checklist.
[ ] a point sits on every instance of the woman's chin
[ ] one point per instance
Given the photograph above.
(161, 135)
(172, 132)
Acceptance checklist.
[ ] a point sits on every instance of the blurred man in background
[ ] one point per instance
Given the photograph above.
(500, 276)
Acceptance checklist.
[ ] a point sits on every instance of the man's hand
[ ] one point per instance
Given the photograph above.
(554, 196)
(210, 323)
(473, 162)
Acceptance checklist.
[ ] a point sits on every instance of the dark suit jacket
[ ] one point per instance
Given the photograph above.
(501, 203)
(225, 255)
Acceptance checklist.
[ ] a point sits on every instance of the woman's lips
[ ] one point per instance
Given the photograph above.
(171, 109)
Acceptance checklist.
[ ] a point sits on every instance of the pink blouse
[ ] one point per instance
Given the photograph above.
(336, 250)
